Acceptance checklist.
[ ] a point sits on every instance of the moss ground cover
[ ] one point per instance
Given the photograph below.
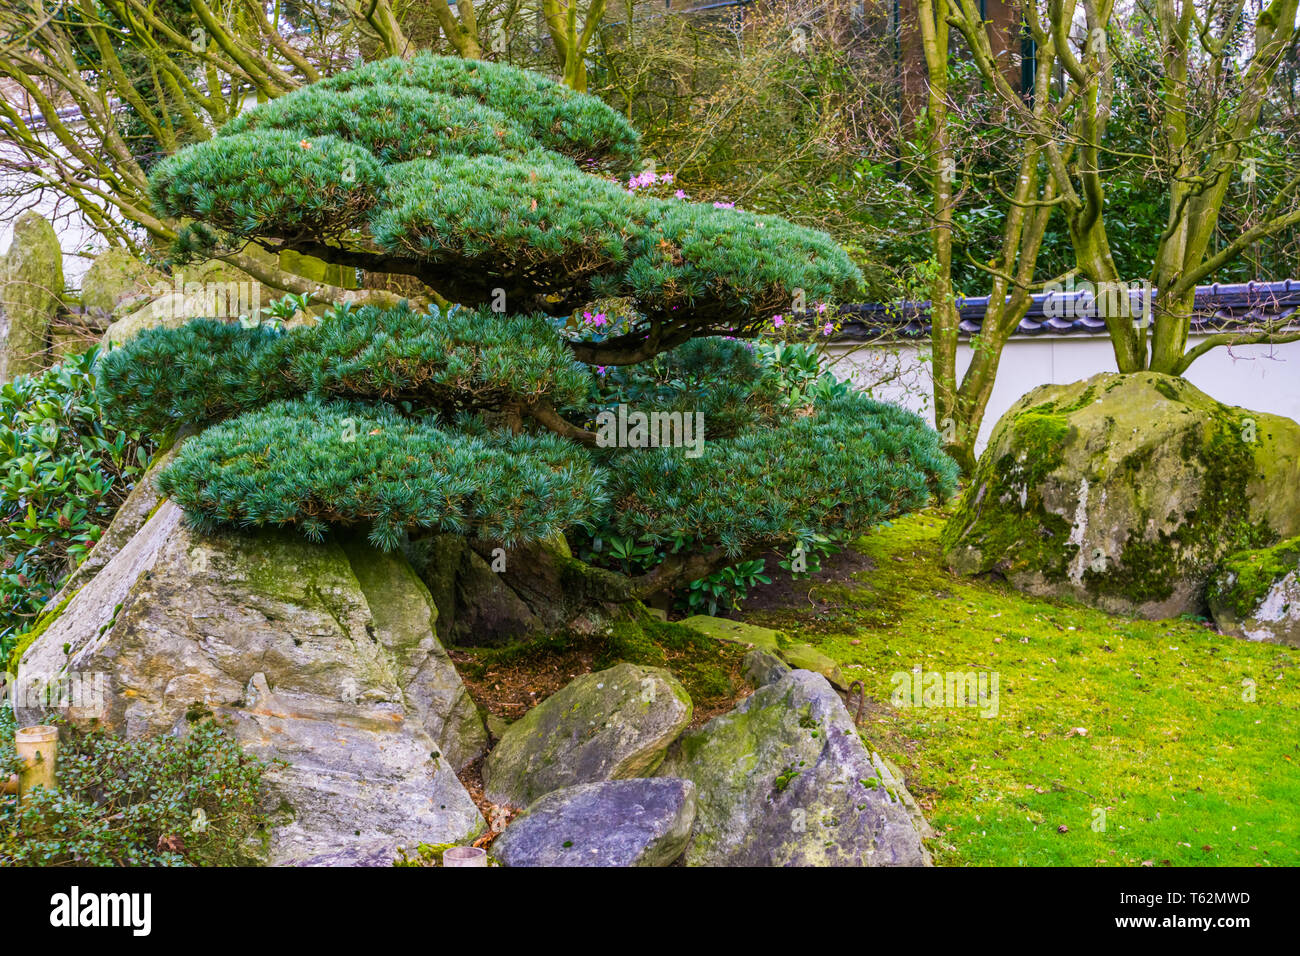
(1117, 741)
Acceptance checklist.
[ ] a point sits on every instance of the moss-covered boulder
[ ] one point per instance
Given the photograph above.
(322, 658)
(118, 280)
(1125, 492)
(785, 780)
(797, 656)
(1256, 594)
(31, 289)
(610, 823)
(613, 724)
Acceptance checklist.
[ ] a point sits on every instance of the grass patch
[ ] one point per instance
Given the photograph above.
(1176, 761)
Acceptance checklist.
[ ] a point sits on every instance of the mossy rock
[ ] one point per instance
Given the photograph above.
(31, 286)
(322, 659)
(1125, 492)
(1256, 594)
(117, 278)
(735, 632)
(797, 656)
(785, 780)
(614, 724)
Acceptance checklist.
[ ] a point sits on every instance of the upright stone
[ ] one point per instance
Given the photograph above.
(31, 289)
(784, 780)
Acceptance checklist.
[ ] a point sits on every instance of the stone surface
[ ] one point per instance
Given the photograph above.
(31, 287)
(611, 823)
(1124, 492)
(797, 656)
(1256, 594)
(735, 632)
(321, 655)
(762, 667)
(475, 607)
(211, 289)
(117, 279)
(608, 725)
(784, 780)
(805, 657)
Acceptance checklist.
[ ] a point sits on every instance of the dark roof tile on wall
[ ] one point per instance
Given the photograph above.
(1218, 308)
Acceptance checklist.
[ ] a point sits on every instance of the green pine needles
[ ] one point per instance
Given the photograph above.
(492, 418)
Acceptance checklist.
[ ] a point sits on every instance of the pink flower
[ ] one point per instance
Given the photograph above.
(680, 194)
(827, 329)
(777, 321)
(601, 369)
(821, 307)
(666, 178)
(724, 205)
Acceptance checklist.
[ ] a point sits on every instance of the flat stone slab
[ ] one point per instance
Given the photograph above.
(735, 632)
(798, 656)
(611, 823)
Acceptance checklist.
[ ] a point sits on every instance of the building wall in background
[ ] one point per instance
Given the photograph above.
(1258, 377)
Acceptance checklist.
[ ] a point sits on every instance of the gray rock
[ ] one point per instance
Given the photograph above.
(31, 287)
(784, 780)
(762, 667)
(611, 823)
(322, 656)
(1124, 492)
(610, 725)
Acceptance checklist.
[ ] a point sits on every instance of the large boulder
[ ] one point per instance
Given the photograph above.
(1124, 492)
(321, 657)
(31, 290)
(118, 280)
(211, 289)
(784, 780)
(611, 823)
(608, 725)
(1256, 594)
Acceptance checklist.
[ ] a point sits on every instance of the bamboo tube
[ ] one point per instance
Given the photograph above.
(38, 749)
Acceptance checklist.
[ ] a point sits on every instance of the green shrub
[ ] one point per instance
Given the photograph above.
(163, 801)
(471, 422)
(202, 372)
(574, 124)
(308, 464)
(63, 477)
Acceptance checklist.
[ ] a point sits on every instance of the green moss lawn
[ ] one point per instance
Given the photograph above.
(1117, 741)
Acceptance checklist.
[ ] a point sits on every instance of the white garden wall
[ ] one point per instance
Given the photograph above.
(1259, 377)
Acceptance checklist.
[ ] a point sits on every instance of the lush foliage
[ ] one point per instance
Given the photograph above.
(486, 183)
(463, 174)
(309, 464)
(164, 801)
(65, 473)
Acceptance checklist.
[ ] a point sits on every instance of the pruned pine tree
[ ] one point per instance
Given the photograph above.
(501, 191)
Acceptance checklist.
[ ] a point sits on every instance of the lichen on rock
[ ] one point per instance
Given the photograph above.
(1124, 492)
(1256, 594)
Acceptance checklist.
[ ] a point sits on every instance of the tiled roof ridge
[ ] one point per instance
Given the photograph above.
(1218, 307)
